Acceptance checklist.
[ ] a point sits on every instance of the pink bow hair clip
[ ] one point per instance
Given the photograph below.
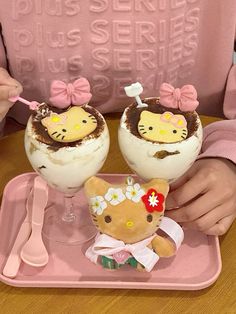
(184, 98)
(76, 93)
(177, 121)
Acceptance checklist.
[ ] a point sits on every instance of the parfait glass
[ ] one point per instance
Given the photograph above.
(149, 159)
(65, 169)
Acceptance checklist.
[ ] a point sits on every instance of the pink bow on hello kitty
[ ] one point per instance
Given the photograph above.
(178, 122)
(76, 93)
(184, 98)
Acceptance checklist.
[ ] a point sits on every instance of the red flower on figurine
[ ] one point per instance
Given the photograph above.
(153, 201)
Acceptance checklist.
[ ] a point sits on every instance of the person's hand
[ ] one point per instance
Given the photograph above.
(8, 88)
(205, 197)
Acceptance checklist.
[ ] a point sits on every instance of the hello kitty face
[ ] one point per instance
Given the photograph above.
(130, 212)
(166, 127)
(70, 126)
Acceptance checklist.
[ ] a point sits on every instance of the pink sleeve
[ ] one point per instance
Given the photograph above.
(220, 137)
(220, 140)
(2, 64)
(2, 51)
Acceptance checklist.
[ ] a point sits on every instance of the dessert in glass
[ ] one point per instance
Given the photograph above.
(160, 137)
(67, 143)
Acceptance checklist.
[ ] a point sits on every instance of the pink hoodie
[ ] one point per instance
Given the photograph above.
(116, 42)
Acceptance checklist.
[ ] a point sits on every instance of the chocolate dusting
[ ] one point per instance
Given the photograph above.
(133, 116)
(42, 134)
(42, 112)
(164, 153)
(42, 167)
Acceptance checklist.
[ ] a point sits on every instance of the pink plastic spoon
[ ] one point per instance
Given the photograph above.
(32, 104)
(34, 252)
(13, 261)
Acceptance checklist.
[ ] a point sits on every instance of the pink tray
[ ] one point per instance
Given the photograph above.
(196, 265)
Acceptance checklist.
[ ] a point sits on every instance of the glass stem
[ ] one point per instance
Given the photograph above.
(69, 215)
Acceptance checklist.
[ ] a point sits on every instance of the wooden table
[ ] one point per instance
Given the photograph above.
(219, 298)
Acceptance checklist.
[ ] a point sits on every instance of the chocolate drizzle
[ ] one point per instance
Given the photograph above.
(164, 153)
(133, 115)
(42, 134)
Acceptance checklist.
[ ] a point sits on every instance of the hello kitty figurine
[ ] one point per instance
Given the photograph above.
(127, 217)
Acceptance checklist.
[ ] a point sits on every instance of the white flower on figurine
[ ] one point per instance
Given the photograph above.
(115, 196)
(134, 192)
(153, 200)
(98, 204)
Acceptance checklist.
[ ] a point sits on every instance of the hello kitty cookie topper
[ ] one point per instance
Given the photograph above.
(69, 126)
(165, 128)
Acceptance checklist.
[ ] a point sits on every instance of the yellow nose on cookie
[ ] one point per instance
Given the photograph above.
(163, 132)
